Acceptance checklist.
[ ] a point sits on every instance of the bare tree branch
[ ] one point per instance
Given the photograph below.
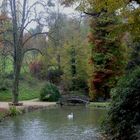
(32, 49)
(45, 33)
(36, 34)
(26, 25)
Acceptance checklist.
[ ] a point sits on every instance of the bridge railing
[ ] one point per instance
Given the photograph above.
(65, 100)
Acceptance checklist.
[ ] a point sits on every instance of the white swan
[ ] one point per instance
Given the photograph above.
(70, 116)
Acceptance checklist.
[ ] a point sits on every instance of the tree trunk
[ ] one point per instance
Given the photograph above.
(17, 68)
(16, 83)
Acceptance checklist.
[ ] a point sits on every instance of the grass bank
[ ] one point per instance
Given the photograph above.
(99, 104)
(28, 90)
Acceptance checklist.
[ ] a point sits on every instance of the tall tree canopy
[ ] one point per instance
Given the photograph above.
(111, 19)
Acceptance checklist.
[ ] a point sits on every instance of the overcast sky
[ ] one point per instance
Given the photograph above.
(68, 11)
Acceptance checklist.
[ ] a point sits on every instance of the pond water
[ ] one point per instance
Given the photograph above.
(53, 124)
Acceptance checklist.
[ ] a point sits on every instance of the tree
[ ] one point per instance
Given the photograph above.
(71, 49)
(74, 53)
(122, 121)
(22, 14)
(56, 22)
(57, 35)
(108, 56)
(128, 10)
(106, 49)
(4, 23)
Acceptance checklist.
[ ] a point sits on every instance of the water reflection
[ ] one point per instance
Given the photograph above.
(53, 124)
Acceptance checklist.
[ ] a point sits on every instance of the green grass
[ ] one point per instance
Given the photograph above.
(9, 65)
(29, 87)
(99, 104)
(5, 96)
(28, 90)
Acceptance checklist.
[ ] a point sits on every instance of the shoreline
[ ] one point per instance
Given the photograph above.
(32, 105)
(28, 106)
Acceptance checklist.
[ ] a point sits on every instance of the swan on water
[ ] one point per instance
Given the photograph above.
(70, 116)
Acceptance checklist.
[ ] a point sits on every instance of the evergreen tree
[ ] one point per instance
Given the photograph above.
(107, 58)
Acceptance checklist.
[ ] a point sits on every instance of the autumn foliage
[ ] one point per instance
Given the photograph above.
(106, 59)
(36, 68)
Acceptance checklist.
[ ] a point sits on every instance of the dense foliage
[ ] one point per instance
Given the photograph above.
(123, 121)
(107, 57)
(104, 13)
(66, 57)
(134, 57)
(49, 92)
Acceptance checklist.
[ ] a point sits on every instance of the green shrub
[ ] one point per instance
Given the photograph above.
(13, 111)
(49, 92)
(123, 119)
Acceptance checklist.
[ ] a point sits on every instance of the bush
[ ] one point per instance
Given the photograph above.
(50, 92)
(13, 111)
(123, 121)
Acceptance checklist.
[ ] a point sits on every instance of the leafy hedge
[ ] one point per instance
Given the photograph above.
(49, 92)
(123, 119)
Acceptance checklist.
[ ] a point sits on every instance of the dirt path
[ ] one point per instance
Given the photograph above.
(29, 104)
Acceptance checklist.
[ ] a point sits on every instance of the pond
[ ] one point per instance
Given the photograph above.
(53, 124)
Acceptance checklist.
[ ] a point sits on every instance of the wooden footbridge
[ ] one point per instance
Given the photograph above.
(73, 100)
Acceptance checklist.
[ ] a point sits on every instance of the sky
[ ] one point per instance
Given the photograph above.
(69, 11)
(66, 10)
